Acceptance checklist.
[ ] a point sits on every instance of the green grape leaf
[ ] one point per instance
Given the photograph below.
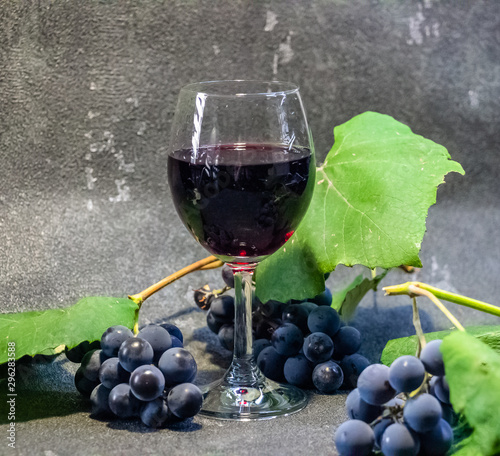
(48, 332)
(489, 334)
(473, 373)
(346, 300)
(369, 207)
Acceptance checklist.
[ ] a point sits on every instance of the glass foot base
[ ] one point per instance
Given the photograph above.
(262, 401)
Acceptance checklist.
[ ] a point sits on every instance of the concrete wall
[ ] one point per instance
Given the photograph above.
(88, 89)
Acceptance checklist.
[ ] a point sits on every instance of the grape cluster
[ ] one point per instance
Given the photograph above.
(148, 376)
(303, 343)
(400, 410)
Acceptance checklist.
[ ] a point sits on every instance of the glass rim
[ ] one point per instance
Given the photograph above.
(207, 88)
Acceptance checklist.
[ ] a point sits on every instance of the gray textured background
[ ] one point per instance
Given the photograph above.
(87, 93)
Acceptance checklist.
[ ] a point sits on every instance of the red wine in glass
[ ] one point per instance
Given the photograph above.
(241, 200)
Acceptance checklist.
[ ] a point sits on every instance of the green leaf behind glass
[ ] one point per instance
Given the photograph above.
(408, 345)
(473, 373)
(369, 207)
(48, 332)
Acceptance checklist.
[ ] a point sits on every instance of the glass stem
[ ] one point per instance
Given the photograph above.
(243, 288)
(243, 371)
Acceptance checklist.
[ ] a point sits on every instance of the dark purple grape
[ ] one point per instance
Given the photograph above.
(226, 336)
(227, 276)
(173, 330)
(347, 341)
(91, 363)
(99, 400)
(287, 339)
(374, 386)
(185, 400)
(297, 315)
(318, 347)
(324, 298)
(422, 412)
(222, 308)
(406, 374)
(259, 345)
(147, 383)
(178, 366)
(398, 440)
(83, 384)
(135, 352)
(324, 319)
(113, 338)
(438, 440)
(158, 337)
(354, 438)
(155, 413)
(123, 403)
(352, 366)
(271, 363)
(432, 358)
(111, 373)
(298, 371)
(358, 409)
(76, 354)
(327, 377)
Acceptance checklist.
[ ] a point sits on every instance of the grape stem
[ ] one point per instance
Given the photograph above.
(422, 289)
(210, 262)
(418, 328)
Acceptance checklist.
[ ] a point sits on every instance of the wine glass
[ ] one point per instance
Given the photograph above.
(241, 171)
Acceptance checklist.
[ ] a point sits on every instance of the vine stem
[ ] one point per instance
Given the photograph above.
(418, 327)
(210, 262)
(419, 288)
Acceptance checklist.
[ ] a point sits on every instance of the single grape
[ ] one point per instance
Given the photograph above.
(422, 412)
(298, 371)
(297, 315)
(324, 319)
(398, 440)
(259, 345)
(354, 438)
(374, 386)
(358, 409)
(352, 366)
(135, 352)
(379, 430)
(271, 363)
(226, 336)
(176, 342)
(227, 276)
(91, 363)
(113, 337)
(432, 358)
(222, 308)
(122, 402)
(155, 413)
(438, 440)
(111, 373)
(147, 383)
(99, 401)
(318, 347)
(287, 339)
(347, 341)
(324, 298)
(213, 323)
(185, 400)
(327, 377)
(159, 338)
(173, 330)
(178, 366)
(442, 389)
(406, 374)
(76, 354)
(83, 384)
